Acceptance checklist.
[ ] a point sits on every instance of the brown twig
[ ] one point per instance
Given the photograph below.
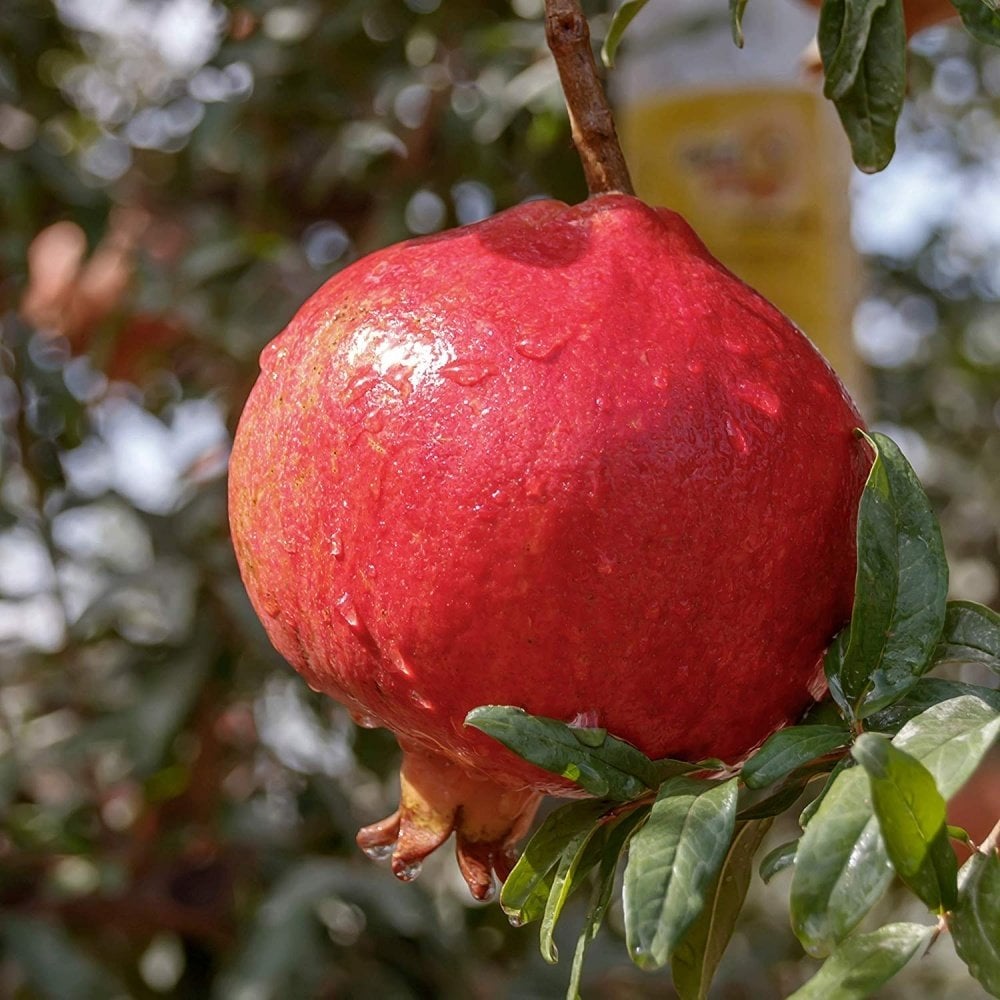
(594, 133)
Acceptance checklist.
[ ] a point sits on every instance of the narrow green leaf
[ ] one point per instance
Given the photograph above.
(699, 952)
(667, 767)
(672, 862)
(809, 811)
(736, 9)
(526, 891)
(621, 20)
(842, 867)
(971, 635)
(864, 962)
(926, 693)
(901, 585)
(872, 96)
(981, 19)
(53, 965)
(911, 815)
(782, 857)
(779, 797)
(975, 924)
(616, 838)
(611, 769)
(790, 748)
(569, 865)
(846, 29)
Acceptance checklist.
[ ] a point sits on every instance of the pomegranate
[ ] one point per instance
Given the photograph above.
(560, 459)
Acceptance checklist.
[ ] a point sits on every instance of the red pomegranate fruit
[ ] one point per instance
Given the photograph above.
(560, 459)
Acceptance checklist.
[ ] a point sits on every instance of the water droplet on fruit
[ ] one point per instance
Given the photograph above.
(336, 545)
(695, 367)
(360, 384)
(490, 892)
(736, 436)
(407, 873)
(379, 852)
(400, 378)
(467, 373)
(363, 719)
(535, 490)
(350, 615)
(759, 397)
(540, 346)
(735, 342)
(399, 661)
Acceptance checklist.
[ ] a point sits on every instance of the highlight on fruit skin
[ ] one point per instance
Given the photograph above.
(560, 459)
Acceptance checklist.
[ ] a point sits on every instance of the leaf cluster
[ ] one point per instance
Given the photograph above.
(887, 754)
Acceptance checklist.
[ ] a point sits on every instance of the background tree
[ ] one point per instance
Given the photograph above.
(176, 811)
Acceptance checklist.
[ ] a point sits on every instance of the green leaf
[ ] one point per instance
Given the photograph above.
(569, 865)
(621, 20)
(525, 894)
(864, 962)
(926, 693)
(790, 748)
(843, 58)
(699, 952)
(971, 635)
(900, 589)
(911, 815)
(951, 739)
(53, 965)
(736, 8)
(672, 862)
(607, 768)
(975, 924)
(846, 762)
(981, 19)
(616, 838)
(782, 857)
(869, 107)
(842, 867)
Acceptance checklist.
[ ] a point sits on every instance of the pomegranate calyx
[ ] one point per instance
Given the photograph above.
(438, 797)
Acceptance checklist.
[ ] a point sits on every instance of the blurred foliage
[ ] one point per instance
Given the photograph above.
(177, 810)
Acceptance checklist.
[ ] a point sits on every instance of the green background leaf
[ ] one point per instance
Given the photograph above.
(526, 891)
(782, 857)
(901, 587)
(613, 846)
(699, 952)
(842, 866)
(971, 635)
(864, 962)
(619, 22)
(611, 769)
(790, 748)
(981, 19)
(672, 862)
(912, 818)
(975, 924)
(869, 108)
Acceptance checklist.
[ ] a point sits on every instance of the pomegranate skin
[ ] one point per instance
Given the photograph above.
(560, 459)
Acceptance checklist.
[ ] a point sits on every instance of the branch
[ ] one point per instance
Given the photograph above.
(594, 134)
